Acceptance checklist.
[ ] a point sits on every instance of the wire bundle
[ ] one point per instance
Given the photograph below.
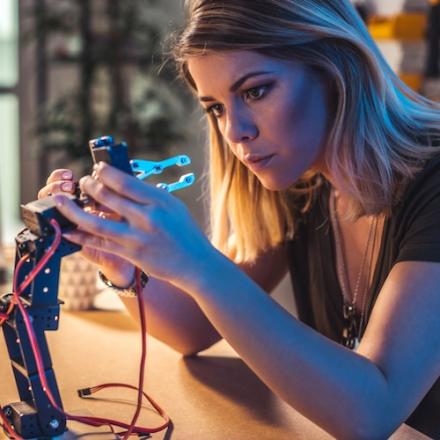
(129, 429)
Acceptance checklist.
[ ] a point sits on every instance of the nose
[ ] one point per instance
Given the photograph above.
(240, 127)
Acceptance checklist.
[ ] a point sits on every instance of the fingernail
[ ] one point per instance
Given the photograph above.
(94, 174)
(67, 175)
(67, 186)
(59, 200)
(95, 167)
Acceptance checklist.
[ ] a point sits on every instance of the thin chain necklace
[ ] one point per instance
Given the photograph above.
(353, 320)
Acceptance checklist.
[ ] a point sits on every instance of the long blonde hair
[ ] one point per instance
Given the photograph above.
(382, 132)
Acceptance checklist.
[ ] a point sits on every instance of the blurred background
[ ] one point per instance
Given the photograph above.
(73, 70)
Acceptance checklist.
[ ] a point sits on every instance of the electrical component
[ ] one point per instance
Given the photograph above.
(104, 149)
(145, 168)
(33, 306)
(37, 215)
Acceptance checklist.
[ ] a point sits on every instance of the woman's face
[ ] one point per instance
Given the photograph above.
(272, 113)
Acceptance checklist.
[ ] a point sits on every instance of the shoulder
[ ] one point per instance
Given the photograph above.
(429, 173)
(423, 188)
(415, 220)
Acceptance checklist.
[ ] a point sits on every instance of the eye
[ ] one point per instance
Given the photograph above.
(215, 109)
(256, 93)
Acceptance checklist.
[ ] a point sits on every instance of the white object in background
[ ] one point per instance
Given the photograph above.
(393, 7)
(408, 57)
(78, 283)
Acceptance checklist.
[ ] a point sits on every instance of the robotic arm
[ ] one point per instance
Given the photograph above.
(35, 415)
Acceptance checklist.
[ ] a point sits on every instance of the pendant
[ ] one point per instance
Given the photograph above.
(348, 310)
(350, 331)
(356, 343)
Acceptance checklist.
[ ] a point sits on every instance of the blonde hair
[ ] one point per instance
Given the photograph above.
(382, 132)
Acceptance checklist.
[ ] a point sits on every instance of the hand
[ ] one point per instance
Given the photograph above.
(117, 270)
(156, 231)
(60, 180)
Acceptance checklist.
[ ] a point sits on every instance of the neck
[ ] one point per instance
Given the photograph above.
(324, 171)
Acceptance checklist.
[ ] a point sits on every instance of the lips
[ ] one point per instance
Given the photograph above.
(256, 163)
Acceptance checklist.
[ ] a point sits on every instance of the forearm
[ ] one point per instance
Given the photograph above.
(174, 318)
(341, 391)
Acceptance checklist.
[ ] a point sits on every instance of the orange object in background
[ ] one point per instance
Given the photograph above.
(405, 26)
(413, 80)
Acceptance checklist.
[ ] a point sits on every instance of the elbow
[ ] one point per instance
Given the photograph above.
(360, 431)
(377, 416)
(190, 350)
(190, 354)
(377, 425)
(377, 432)
(187, 344)
(187, 351)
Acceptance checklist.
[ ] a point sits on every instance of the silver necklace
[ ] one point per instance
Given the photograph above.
(353, 320)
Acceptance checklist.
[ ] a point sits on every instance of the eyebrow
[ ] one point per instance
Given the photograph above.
(237, 84)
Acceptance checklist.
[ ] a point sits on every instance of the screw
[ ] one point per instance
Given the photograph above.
(7, 411)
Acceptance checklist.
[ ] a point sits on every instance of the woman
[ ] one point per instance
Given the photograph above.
(322, 163)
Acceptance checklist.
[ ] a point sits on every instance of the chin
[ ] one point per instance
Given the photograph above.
(275, 184)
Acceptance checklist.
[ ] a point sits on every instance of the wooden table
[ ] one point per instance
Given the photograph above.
(212, 396)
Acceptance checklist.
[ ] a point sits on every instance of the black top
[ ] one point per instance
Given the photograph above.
(412, 233)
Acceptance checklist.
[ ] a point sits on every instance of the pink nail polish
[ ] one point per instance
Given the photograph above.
(67, 186)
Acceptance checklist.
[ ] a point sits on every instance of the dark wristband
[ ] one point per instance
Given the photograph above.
(129, 291)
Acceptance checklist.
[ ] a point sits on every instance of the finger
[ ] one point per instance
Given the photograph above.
(60, 174)
(87, 240)
(133, 212)
(117, 231)
(129, 186)
(60, 186)
(91, 243)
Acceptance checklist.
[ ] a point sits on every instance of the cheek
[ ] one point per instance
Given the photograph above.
(300, 132)
(303, 125)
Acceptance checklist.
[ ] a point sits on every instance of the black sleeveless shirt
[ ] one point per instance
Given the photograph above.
(412, 233)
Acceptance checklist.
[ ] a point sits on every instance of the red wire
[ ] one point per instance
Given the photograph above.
(160, 411)
(16, 294)
(29, 328)
(46, 257)
(5, 317)
(93, 421)
(140, 299)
